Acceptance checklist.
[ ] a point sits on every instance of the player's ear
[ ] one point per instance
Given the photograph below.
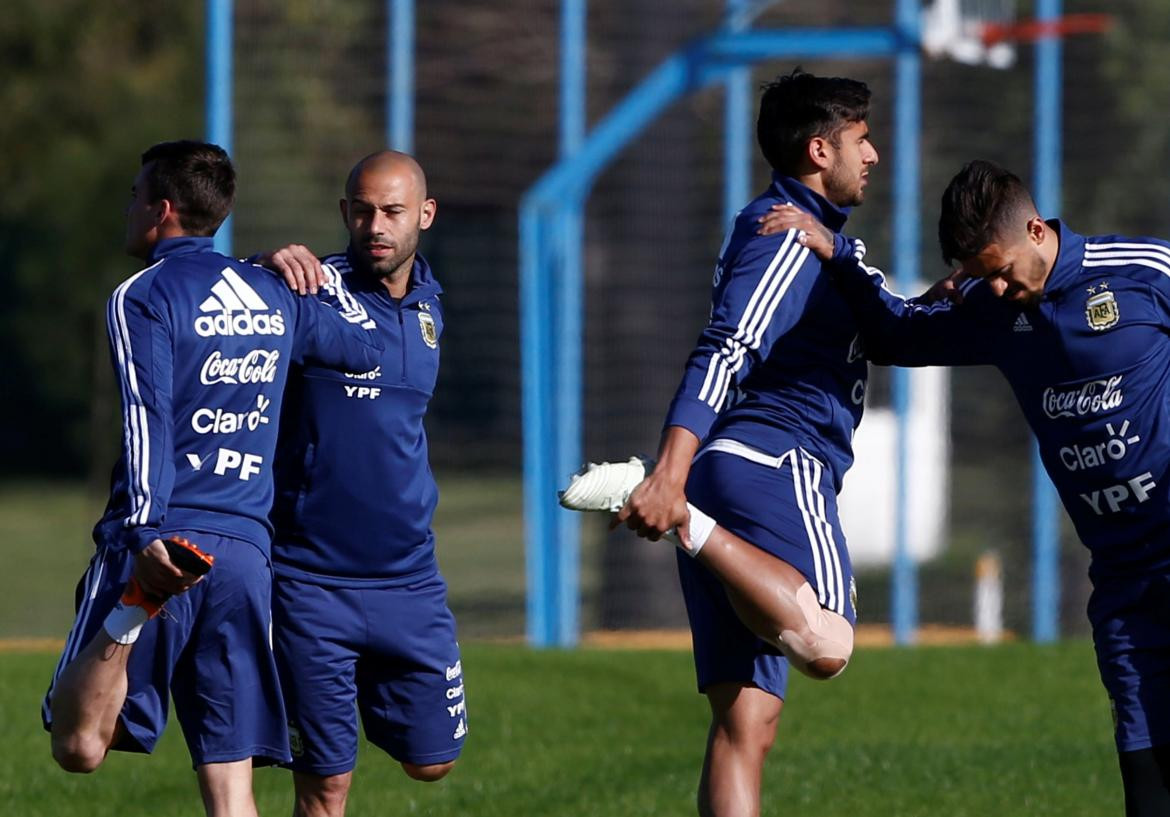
(427, 217)
(343, 205)
(162, 211)
(819, 152)
(1036, 229)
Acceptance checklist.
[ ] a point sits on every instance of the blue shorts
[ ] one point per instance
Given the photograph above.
(390, 649)
(786, 506)
(208, 649)
(1131, 634)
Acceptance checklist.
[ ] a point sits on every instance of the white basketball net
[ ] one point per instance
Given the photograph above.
(954, 29)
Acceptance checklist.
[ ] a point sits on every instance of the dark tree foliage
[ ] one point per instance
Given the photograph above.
(87, 86)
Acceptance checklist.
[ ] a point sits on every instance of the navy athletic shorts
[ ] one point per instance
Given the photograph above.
(1131, 632)
(392, 650)
(208, 649)
(786, 506)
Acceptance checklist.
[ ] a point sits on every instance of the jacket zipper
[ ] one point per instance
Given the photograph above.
(402, 341)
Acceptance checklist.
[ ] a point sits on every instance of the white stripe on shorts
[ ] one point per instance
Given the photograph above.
(834, 597)
(806, 480)
(806, 473)
(92, 581)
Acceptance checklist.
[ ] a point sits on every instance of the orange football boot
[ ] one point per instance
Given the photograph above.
(184, 555)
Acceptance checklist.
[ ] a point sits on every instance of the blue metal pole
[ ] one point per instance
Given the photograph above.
(736, 116)
(572, 109)
(400, 79)
(536, 365)
(703, 62)
(218, 91)
(566, 317)
(907, 128)
(569, 309)
(1047, 189)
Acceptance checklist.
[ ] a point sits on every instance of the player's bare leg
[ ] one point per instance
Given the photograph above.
(86, 702)
(88, 696)
(776, 602)
(321, 796)
(770, 596)
(743, 727)
(227, 788)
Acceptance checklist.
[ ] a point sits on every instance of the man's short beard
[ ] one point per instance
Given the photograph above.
(384, 268)
(840, 195)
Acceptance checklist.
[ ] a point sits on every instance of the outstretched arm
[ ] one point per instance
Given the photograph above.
(297, 264)
(824, 244)
(924, 331)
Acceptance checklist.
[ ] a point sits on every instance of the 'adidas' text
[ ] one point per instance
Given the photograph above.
(234, 308)
(240, 323)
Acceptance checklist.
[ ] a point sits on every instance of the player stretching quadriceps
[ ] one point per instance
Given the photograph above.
(757, 442)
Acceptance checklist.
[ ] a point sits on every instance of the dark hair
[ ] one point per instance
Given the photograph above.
(798, 107)
(197, 178)
(982, 200)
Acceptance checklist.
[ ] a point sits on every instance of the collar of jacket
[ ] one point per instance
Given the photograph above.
(809, 200)
(1069, 258)
(183, 245)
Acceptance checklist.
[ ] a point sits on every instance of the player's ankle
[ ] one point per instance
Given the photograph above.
(124, 623)
(134, 609)
(699, 530)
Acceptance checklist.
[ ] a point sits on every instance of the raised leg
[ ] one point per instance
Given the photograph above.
(775, 602)
(86, 702)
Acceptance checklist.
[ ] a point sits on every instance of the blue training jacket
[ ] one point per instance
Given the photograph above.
(779, 364)
(201, 346)
(355, 493)
(1089, 365)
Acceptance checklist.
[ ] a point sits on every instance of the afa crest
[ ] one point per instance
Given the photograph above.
(430, 334)
(1101, 310)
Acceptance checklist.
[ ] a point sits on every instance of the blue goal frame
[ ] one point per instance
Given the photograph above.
(552, 295)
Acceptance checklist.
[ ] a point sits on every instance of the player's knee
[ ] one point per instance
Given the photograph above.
(804, 656)
(820, 652)
(821, 643)
(322, 795)
(428, 773)
(79, 754)
(823, 669)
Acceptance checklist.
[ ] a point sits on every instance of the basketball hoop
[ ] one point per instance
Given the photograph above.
(1032, 30)
(984, 32)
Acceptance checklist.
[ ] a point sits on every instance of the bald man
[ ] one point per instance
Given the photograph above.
(359, 607)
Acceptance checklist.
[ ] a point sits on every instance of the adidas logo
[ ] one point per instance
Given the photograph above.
(1021, 324)
(460, 730)
(236, 310)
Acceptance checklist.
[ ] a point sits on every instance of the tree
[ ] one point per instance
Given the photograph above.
(87, 87)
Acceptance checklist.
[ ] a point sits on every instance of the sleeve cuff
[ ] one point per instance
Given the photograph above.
(693, 415)
(138, 538)
(842, 248)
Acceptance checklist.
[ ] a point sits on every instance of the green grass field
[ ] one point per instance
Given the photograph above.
(1010, 730)
(45, 530)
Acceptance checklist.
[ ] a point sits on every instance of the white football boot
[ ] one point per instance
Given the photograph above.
(604, 486)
